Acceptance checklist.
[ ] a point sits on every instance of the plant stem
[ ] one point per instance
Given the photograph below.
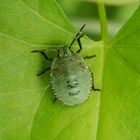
(103, 22)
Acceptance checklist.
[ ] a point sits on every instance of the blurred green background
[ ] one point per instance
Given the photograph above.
(84, 12)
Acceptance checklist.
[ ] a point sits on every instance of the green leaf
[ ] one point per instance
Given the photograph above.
(120, 102)
(22, 22)
(27, 110)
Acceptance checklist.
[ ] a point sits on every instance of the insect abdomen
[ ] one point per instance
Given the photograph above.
(72, 90)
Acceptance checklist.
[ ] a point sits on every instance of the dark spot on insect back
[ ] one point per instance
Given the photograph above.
(72, 84)
(74, 93)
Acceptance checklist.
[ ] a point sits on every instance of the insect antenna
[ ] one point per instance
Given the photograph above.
(75, 38)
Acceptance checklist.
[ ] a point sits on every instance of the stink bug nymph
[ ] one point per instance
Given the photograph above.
(71, 79)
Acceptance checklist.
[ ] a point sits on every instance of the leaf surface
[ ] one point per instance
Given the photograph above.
(27, 111)
(120, 101)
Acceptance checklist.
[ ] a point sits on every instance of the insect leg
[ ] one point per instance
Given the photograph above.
(76, 37)
(43, 71)
(89, 57)
(42, 53)
(79, 43)
(93, 88)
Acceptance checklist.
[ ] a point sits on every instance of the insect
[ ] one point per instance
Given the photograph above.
(71, 79)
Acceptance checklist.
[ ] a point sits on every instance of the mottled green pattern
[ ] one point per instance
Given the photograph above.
(68, 75)
(60, 89)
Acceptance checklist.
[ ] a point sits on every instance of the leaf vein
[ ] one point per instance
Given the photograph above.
(126, 62)
(64, 30)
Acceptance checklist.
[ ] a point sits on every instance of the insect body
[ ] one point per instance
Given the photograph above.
(71, 79)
